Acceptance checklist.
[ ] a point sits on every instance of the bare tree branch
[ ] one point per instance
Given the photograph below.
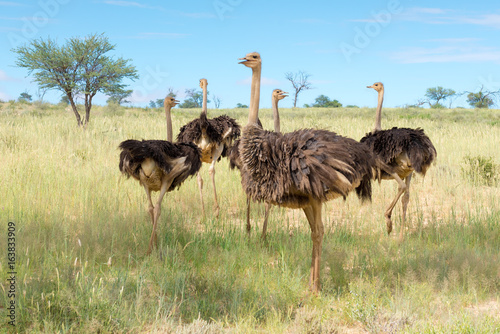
(171, 92)
(217, 101)
(299, 82)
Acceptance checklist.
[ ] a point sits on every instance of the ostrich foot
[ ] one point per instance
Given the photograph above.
(388, 223)
(216, 211)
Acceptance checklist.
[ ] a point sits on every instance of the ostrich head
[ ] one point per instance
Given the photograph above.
(378, 86)
(170, 102)
(251, 60)
(278, 94)
(203, 83)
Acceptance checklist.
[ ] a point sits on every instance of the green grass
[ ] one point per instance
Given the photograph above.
(82, 233)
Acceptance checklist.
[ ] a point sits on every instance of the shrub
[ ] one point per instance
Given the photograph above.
(480, 170)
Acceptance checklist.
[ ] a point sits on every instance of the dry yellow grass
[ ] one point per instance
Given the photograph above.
(76, 213)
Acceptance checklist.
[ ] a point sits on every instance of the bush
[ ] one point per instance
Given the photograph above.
(438, 106)
(481, 170)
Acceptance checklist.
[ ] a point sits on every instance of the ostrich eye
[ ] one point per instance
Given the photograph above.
(254, 57)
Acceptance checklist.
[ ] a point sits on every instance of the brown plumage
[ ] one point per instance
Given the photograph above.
(389, 144)
(159, 165)
(301, 169)
(214, 129)
(235, 160)
(213, 136)
(293, 168)
(165, 155)
(399, 152)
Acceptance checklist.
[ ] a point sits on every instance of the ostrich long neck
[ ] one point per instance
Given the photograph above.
(169, 121)
(254, 96)
(378, 117)
(276, 115)
(204, 106)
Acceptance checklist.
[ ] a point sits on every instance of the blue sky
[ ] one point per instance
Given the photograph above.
(345, 45)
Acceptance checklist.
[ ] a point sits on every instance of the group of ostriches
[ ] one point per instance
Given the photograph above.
(299, 170)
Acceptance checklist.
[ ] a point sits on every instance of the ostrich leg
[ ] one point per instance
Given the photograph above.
(266, 216)
(388, 212)
(249, 226)
(151, 214)
(166, 182)
(404, 201)
(313, 214)
(211, 171)
(200, 187)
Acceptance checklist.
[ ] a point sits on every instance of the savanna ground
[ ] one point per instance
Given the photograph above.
(82, 231)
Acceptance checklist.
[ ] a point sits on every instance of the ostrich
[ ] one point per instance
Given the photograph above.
(235, 161)
(213, 136)
(159, 165)
(399, 152)
(301, 169)
(277, 95)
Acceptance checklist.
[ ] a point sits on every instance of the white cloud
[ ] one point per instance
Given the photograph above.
(158, 35)
(445, 54)
(312, 21)
(264, 81)
(422, 10)
(321, 82)
(35, 19)
(327, 51)
(306, 43)
(449, 16)
(128, 4)
(11, 4)
(195, 15)
(137, 97)
(3, 29)
(419, 14)
(172, 12)
(5, 77)
(4, 96)
(490, 20)
(453, 40)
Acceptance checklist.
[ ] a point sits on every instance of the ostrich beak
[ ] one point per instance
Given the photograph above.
(244, 60)
(369, 86)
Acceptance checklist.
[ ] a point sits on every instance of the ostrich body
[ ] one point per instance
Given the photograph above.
(301, 169)
(235, 161)
(159, 165)
(213, 136)
(399, 152)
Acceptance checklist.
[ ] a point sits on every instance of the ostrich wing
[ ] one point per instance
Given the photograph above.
(389, 144)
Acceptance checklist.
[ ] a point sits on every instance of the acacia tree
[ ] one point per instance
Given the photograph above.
(160, 102)
(79, 67)
(300, 82)
(194, 99)
(482, 99)
(324, 101)
(119, 97)
(438, 94)
(25, 97)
